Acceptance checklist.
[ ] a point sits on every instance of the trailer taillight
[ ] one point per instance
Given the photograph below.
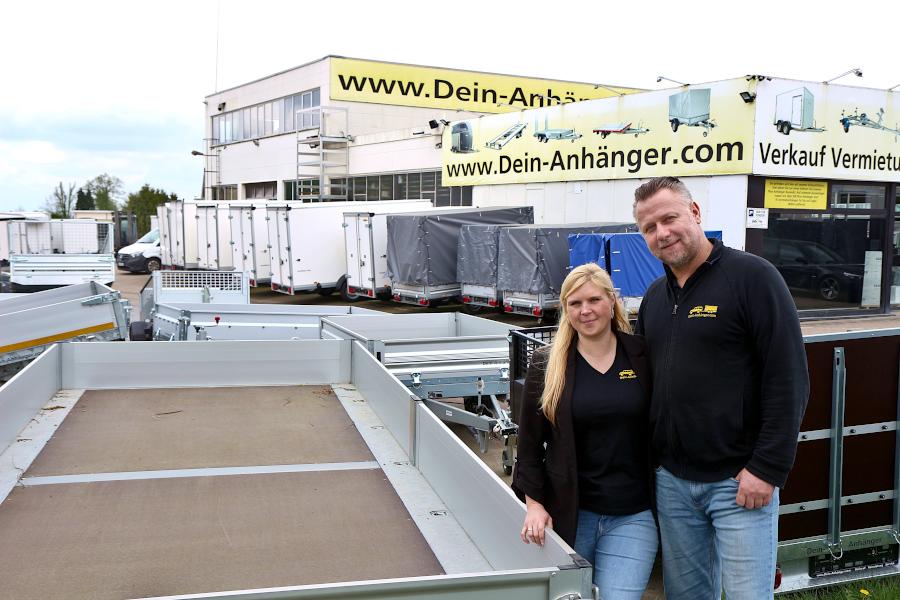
(492, 302)
(467, 299)
(397, 297)
(351, 290)
(536, 311)
(777, 577)
(370, 293)
(274, 287)
(423, 301)
(507, 308)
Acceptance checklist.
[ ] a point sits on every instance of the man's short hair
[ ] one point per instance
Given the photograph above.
(673, 184)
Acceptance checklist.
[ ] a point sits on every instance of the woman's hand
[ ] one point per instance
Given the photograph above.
(537, 520)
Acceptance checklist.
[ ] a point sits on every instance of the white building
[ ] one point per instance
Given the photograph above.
(350, 129)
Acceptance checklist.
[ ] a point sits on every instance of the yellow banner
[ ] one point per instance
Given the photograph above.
(791, 193)
(697, 130)
(409, 85)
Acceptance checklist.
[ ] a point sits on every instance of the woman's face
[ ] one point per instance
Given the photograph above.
(589, 310)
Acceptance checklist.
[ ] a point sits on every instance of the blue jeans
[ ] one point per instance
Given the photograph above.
(709, 541)
(621, 549)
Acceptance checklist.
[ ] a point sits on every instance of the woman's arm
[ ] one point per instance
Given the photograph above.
(537, 520)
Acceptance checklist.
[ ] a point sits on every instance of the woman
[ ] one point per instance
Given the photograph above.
(583, 467)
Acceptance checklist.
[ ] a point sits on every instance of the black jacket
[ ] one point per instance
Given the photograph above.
(549, 475)
(730, 381)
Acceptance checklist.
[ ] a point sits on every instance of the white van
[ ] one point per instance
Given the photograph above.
(143, 256)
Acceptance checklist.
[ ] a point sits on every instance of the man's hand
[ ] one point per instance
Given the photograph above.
(753, 492)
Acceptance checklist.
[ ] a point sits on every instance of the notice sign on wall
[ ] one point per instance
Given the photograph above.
(795, 194)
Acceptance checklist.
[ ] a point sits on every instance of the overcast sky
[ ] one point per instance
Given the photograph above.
(93, 86)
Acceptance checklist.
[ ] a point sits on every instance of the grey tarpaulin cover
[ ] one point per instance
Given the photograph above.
(477, 263)
(422, 247)
(535, 259)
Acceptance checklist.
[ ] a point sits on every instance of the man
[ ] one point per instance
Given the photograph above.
(730, 386)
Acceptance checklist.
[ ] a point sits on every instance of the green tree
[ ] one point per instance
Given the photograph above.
(59, 203)
(107, 191)
(84, 200)
(143, 204)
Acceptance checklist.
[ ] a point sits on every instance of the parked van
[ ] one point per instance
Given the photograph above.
(143, 256)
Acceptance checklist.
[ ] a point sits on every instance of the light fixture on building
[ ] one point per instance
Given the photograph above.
(221, 106)
(663, 78)
(748, 97)
(418, 132)
(435, 123)
(608, 89)
(197, 153)
(857, 72)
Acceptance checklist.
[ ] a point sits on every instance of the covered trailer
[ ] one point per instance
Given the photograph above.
(691, 108)
(308, 245)
(476, 267)
(534, 260)
(178, 235)
(365, 245)
(422, 249)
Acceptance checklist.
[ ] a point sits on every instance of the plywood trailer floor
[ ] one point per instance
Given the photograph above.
(174, 491)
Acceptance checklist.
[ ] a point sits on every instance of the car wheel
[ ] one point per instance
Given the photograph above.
(829, 288)
(153, 264)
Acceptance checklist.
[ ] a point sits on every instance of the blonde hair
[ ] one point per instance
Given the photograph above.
(555, 373)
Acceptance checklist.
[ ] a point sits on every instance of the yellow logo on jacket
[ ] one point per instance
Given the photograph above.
(627, 374)
(703, 311)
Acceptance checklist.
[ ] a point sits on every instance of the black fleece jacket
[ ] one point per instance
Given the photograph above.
(730, 381)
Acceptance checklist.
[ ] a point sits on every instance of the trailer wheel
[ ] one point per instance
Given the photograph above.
(140, 331)
(325, 291)
(153, 264)
(347, 296)
(846, 126)
(675, 124)
(787, 127)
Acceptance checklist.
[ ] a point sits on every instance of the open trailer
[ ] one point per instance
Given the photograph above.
(254, 470)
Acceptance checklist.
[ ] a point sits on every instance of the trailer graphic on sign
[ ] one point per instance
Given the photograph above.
(691, 108)
(794, 110)
(862, 120)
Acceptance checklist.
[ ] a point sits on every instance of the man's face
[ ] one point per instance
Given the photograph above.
(671, 227)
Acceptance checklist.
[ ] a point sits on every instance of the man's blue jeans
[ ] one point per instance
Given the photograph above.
(621, 549)
(709, 541)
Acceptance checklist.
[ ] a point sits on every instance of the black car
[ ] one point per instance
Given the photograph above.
(815, 268)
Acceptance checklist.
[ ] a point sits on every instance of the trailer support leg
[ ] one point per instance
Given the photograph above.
(838, 398)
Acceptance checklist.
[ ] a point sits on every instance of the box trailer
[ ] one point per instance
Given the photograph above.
(422, 249)
(271, 469)
(839, 513)
(691, 108)
(213, 237)
(534, 260)
(249, 240)
(308, 244)
(5, 218)
(180, 235)
(60, 252)
(794, 109)
(365, 246)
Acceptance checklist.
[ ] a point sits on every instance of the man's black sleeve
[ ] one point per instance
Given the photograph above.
(780, 353)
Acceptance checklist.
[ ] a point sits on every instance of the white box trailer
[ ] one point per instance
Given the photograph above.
(307, 243)
(365, 244)
(5, 218)
(178, 234)
(249, 240)
(60, 252)
(213, 236)
(794, 109)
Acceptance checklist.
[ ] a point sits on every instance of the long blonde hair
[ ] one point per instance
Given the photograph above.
(555, 373)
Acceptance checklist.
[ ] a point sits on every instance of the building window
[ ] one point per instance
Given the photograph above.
(224, 193)
(268, 118)
(264, 190)
(832, 258)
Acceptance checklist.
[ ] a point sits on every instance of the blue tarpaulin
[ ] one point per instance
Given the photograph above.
(624, 255)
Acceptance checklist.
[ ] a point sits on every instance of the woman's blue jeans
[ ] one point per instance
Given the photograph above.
(622, 549)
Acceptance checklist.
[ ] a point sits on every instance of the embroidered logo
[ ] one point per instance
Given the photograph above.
(627, 374)
(703, 312)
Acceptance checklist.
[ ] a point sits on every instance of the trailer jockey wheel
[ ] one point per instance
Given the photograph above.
(675, 124)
